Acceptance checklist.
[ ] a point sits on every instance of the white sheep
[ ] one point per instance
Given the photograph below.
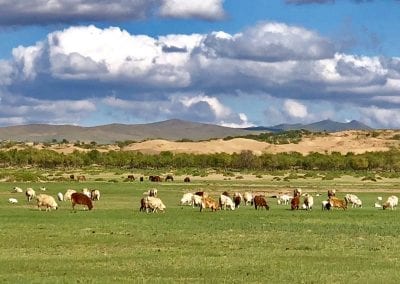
(13, 200)
(284, 199)
(44, 200)
(60, 196)
(87, 192)
(308, 201)
(17, 189)
(68, 193)
(154, 204)
(30, 193)
(353, 200)
(391, 202)
(196, 200)
(248, 198)
(187, 199)
(95, 193)
(226, 201)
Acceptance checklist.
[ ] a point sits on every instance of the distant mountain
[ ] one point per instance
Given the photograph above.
(174, 129)
(324, 125)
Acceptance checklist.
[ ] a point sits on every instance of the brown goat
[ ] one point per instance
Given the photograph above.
(208, 202)
(260, 201)
(338, 203)
(295, 203)
(80, 198)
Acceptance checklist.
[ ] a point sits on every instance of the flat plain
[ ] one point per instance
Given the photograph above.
(117, 243)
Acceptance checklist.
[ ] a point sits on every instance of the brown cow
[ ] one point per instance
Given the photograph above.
(155, 178)
(80, 198)
(208, 202)
(169, 177)
(141, 179)
(295, 202)
(72, 177)
(260, 201)
(131, 177)
(337, 203)
(186, 179)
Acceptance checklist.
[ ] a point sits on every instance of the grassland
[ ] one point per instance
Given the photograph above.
(116, 243)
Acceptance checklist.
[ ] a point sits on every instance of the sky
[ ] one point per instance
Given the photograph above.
(236, 63)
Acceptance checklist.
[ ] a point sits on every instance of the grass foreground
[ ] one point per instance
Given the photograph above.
(117, 243)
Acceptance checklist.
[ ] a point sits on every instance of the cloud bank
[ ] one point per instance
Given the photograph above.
(186, 76)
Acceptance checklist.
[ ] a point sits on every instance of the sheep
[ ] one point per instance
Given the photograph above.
(196, 200)
(237, 199)
(143, 204)
(377, 205)
(30, 193)
(187, 199)
(284, 199)
(44, 200)
(308, 201)
(42, 188)
(260, 201)
(208, 202)
(353, 200)
(95, 194)
(17, 189)
(391, 202)
(81, 198)
(68, 193)
(154, 204)
(225, 201)
(248, 198)
(87, 192)
(12, 200)
(60, 196)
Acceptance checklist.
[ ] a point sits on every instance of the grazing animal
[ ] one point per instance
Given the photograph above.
(143, 204)
(30, 193)
(141, 178)
(326, 205)
(87, 192)
(295, 202)
(131, 177)
(187, 199)
(260, 201)
(154, 204)
(17, 189)
(353, 200)
(44, 200)
(95, 194)
(72, 177)
(237, 199)
(60, 196)
(169, 178)
(81, 178)
(308, 202)
(13, 200)
(226, 193)
(284, 199)
(82, 199)
(337, 203)
(226, 201)
(391, 202)
(208, 202)
(331, 193)
(201, 193)
(248, 198)
(155, 178)
(196, 200)
(68, 193)
(186, 179)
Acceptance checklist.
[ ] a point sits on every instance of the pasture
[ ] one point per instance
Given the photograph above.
(117, 243)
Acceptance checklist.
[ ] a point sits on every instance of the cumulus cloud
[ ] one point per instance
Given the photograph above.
(204, 9)
(381, 117)
(156, 74)
(22, 12)
(269, 42)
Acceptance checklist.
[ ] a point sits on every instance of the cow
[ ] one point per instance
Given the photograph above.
(208, 202)
(141, 179)
(80, 198)
(131, 177)
(260, 201)
(72, 177)
(186, 179)
(155, 178)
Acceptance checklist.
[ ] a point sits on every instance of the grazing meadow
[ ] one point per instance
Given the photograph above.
(116, 243)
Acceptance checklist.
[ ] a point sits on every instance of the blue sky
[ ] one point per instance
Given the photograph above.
(234, 62)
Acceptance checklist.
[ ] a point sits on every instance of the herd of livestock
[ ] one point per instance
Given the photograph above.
(226, 201)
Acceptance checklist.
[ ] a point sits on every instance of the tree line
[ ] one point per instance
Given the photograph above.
(245, 160)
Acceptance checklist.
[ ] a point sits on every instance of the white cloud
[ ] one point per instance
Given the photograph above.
(384, 118)
(205, 9)
(295, 109)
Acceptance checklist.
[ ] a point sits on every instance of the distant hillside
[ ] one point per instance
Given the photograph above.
(324, 125)
(170, 130)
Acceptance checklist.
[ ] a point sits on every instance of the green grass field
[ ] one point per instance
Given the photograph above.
(117, 243)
